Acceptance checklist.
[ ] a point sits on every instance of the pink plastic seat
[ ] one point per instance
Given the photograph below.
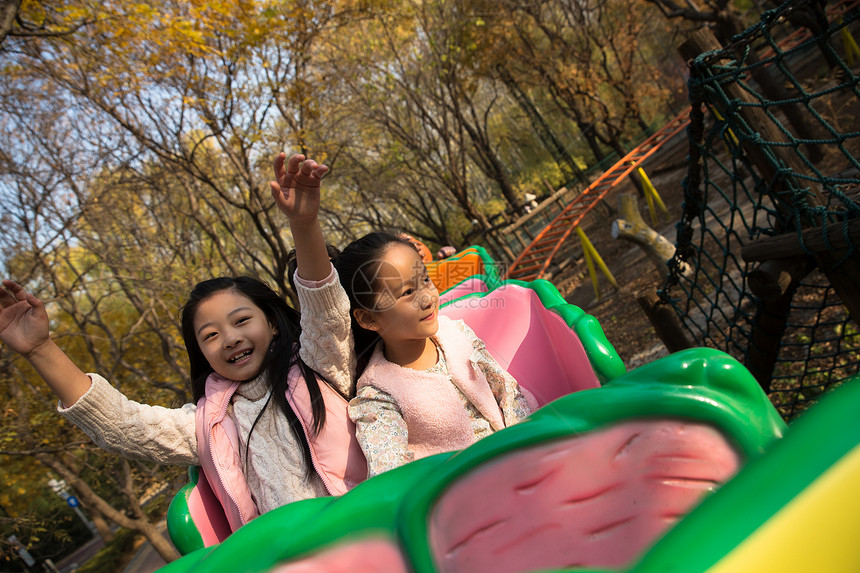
(530, 341)
(195, 517)
(202, 501)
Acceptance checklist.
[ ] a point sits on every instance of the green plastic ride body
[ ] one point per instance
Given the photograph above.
(672, 448)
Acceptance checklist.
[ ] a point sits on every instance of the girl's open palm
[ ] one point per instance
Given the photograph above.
(23, 319)
(296, 188)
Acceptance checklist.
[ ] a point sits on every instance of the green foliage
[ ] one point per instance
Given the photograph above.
(744, 5)
(44, 523)
(532, 181)
(22, 482)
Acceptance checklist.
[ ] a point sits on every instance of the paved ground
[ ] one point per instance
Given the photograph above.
(146, 560)
(80, 556)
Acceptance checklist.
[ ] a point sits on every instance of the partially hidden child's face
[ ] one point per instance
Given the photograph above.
(234, 334)
(406, 299)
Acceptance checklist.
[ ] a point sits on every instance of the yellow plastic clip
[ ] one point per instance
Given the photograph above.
(652, 197)
(592, 258)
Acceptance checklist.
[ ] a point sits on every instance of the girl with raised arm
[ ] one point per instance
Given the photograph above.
(427, 383)
(266, 429)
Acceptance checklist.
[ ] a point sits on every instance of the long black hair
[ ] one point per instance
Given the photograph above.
(357, 266)
(282, 356)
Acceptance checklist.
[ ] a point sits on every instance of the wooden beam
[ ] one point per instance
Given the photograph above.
(815, 241)
(773, 279)
(632, 227)
(666, 323)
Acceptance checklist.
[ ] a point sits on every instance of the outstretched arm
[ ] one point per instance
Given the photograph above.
(296, 191)
(326, 339)
(24, 327)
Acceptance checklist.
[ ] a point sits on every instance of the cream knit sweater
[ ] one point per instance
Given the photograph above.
(276, 471)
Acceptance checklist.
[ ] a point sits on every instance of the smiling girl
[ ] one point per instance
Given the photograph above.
(427, 383)
(264, 427)
(429, 386)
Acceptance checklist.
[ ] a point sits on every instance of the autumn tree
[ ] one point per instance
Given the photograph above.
(207, 90)
(136, 142)
(587, 55)
(42, 18)
(727, 19)
(136, 154)
(95, 320)
(724, 16)
(406, 74)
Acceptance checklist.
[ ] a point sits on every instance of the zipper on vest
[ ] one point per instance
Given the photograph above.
(314, 462)
(224, 487)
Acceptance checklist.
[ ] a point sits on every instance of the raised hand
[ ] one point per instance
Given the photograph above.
(23, 319)
(24, 327)
(296, 188)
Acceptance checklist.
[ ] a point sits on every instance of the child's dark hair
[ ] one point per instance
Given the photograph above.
(282, 356)
(292, 264)
(357, 266)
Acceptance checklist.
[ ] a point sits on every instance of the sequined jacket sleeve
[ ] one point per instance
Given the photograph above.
(380, 429)
(513, 403)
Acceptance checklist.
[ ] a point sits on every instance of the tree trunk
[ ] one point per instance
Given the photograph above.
(488, 161)
(162, 546)
(666, 323)
(90, 498)
(565, 162)
(8, 13)
(102, 526)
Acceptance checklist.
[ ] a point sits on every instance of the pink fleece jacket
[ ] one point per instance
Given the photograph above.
(335, 453)
(431, 408)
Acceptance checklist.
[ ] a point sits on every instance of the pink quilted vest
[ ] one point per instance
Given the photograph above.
(431, 407)
(335, 453)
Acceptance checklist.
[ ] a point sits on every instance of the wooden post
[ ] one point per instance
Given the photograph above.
(774, 283)
(768, 328)
(526, 232)
(501, 251)
(665, 322)
(773, 279)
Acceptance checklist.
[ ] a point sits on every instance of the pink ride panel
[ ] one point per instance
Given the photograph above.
(530, 341)
(598, 500)
(207, 513)
(362, 556)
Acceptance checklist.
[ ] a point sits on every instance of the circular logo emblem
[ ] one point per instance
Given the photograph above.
(369, 283)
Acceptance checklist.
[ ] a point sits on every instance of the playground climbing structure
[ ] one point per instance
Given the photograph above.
(771, 219)
(533, 262)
